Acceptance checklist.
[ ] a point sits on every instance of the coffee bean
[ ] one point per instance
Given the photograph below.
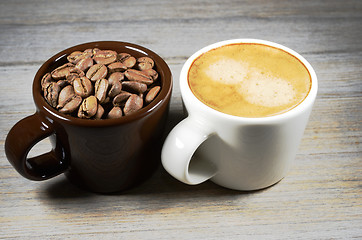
(144, 63)
(83, 86)
(127, 59)
(96, 72)
(46, 80)
(105, 57)
(116, 88)
(152, 94)
(88, 108)
(115, 77)
(88, 52)
(117, 67)
(68, 101)
(74, 57)
(77, 56)
(144, 66)
(116, 112)
(95, 50)
(152, 73)
(100, 89)
(71, 105)
(100, 112)
(134, 87)
(121, 99)
(133, 104)
(139, 76)
(84, 64)
(62, 71)
(94, 81)
(107, 100)
(62, 83)
(51, 93)
(65, 95)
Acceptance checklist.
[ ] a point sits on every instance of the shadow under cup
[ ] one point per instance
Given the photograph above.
(104, 156)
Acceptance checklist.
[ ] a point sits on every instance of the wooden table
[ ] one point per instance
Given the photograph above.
(321, 198)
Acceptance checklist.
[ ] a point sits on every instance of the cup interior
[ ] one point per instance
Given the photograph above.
(164, 75)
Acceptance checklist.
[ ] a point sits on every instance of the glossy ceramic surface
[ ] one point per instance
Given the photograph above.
(101, 155)
(235, 152)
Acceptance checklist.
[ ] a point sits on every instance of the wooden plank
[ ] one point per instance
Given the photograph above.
(321, 198)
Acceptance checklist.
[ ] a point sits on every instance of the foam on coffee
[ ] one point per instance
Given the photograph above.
(249, 80)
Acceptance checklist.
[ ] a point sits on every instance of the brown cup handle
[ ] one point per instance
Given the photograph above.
(20, 140)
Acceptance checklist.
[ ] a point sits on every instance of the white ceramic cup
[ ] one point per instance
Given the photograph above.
(234, 152)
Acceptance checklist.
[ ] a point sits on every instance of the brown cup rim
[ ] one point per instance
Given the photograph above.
(58, 59)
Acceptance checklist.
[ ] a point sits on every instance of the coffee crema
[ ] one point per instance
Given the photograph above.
(249, 80)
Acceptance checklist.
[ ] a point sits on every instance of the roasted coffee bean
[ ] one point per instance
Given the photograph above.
(94, 80)
(88, 108)
(128, 60)
(144, 63)
(133, 104)
(83, 86)
(152, 73)
(77, 56)
(84, 64)
(66, 70)
(62, 83)
(115, 77)
(100, 89)
(100, 112)
(46, 80)
(88, 52)
(65, 95)
(96, 72)
(74, 57)
(107, 100)
(139, 76)
(152, 94)
(121, 99)
(72, 104)
(116, 112)
(116, 67)
(116, 89)
(51, 93)
(95, 50)
(62, 71)
(134, 87)
(105, 57)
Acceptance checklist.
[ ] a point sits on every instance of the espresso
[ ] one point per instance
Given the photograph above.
(249, 80)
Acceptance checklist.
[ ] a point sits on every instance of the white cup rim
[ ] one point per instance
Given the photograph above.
(190, 99)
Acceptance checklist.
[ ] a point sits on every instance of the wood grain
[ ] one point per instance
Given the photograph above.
(321, 198)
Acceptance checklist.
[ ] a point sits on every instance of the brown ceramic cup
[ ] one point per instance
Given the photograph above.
(103, 156)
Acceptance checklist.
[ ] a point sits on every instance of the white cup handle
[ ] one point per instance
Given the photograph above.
(178, 152)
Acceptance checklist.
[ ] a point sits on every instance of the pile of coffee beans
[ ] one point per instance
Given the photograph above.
(101, 84)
